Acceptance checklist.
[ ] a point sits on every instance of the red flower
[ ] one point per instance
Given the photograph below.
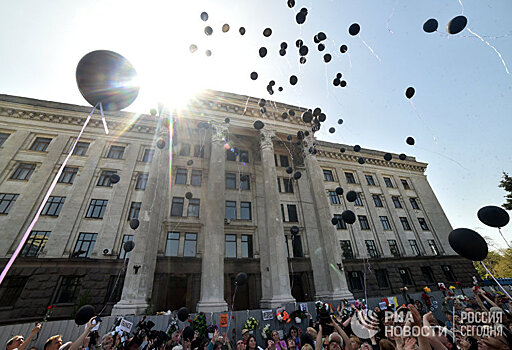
(457, 283)
(49, 307)
(190, 320)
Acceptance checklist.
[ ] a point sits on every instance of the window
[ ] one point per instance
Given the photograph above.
(197, 178)
(230, 210)
(68, 175)
(328, 175)
(124, 254)
(382, 278)
(405, 184)
(230, 246)
(173, 243)
(405, 276)
(371, 248)
(350, 178)
(104, 179)
(84, 245)
(287, 246)
(393, 247)
(428, 275)
(334, 198)
(35, 243)
(53, 206)
(114, 289)
(3, 138)
(414, 247)
(448, 273)
(68, 290)
(433, 246)
(282, 212)
(279, 185)
(292, 213)
(81, 148)
(177, 206)
(193, 208)
(245, 211)
(275, 158)
(190, 245)
(142, 181)
(405, 224)
(246, 246)
(181, 176)
(198, 151)
(185, 150)
(363, 222)
(341, 224)
(356, 280)
(358, 202)
(148, 155)
(231, 154)
(369, 180)
(244, 156)
(284, 161)
(346, 249)
(288, 185)
(414, 203)
(134, 210)
(396, 202)
(116, 152)
(388, 182)
(423, 224)
(297, 246)
(23, 171)
(376, 200)
(40, 144)
(96, 208)
(230, 181)
(6, 202)
(11, 289)
(245, 182)
(385, 222)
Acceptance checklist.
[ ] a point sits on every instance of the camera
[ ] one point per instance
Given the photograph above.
(324, 317)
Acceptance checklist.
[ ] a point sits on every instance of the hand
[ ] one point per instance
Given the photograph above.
(338, 308)
(90, 325)
(429, 317)
(215, 336)
(409, 343)
(36, 329)
(415, 315)
(310, 316)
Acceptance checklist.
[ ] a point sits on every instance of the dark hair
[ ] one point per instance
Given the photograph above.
(293, 328)
(252, 337)
(306, 338)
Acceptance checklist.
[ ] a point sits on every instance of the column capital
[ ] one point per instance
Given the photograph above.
(266, 139)
(219, 131)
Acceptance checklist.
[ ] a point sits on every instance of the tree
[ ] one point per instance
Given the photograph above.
(506, 184)
(498, 262)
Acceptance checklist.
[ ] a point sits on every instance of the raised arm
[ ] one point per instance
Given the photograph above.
(77, 343)
(341, 332)
(34, 332)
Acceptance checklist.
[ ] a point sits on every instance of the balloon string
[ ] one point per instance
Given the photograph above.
(47, 195)
(115, 283)
(462, 6)
(423, 121)
(369, 48)
(492, 47)
(502, 236)
(103, 119)
(444, 156)
(389, 18)
(495, 280)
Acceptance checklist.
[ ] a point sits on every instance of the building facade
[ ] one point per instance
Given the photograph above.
(216, 200)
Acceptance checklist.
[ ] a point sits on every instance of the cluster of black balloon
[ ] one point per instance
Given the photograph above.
(284, 46)
(338, 81)
(455, 26)
(300, 17)
(270, 87)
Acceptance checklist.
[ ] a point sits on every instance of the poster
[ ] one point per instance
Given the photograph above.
(267, 315)
(304, 307)
(224, 320)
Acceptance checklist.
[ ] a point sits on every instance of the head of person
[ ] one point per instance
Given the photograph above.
(449, 316)
(240, 345)
(245, 334)
(275, 336)
(251, 342)
(107, 342)
(312, 332)
(355, 342)
(335, 341)
(306, 346)
(294, 332)
(15, 342)
(384, 344)
(307, 338)
(493, 343)
(291, 343)
(218, 345)
(53, 343)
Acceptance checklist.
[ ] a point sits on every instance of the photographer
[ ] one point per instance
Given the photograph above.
(18, 342)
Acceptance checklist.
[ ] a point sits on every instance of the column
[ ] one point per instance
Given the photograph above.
(324, 247)
(212, 270)
(275, 277)
(140, 273)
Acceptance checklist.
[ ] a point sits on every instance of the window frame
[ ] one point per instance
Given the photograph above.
(40, 144)
(361, 219)
(7, 203)
(359, 200)
(377, 201)
(396, 202)
(134, 210)
(405, 223)
(414, 247)
(116, 152)
(123, 253)
(328, 175)
(245, 182)
(96, 203)
(147, 156)
(104, 178)
(247, 208)
(184, 149)
(289, 208)
(243, 156)
(384, 276)
(142, 181)
(84, 238)
(350, 178)
(69, 174)
(423, 224)
(23, 171)
(174, 237)
(53, 206)
(229, 245)
(72, 282)
(355, 276)
(181, 174)
(405, 184)
(198, 151)
(193, 208)
(11, 290)
(406, 273)
(3, 137)
(347, 254)
(371, 248)
(334, 198)
(188, 238)
(414, 203)
(31, 242)
(388, 182)
(175, 203)
(81, 148)
(196, 174)
(288, 185)
(386, 224)
(393, 248)
(433, 247)
(286, 163)
(341, 224)
(370, 180)
(248, 251)
(230, 180)
(231, 208)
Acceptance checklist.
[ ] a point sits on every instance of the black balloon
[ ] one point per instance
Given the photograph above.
(192, 48)
(336, 82)
(262, 102)
(258, 124)
(208, 30)
(291, 112)
(291, 3)
(190, 161)
(134, 224)
(188, 333)
(402, 156)
(493, 216)
(204, 16)
(280, 89)
(327, 58)
(303, 50)
(282, 52)
(430, 25)
(227, 120)
(241, 279)
(339, 191)
(410, 141)
(321, 47)
(343, 83)
(348, 216)
(302, 60)
(307, 117)
(254, 75)
(160, 143)
(338, 75)
(317, 111)
(297, 175)
(300, 135)
(343, 48)
(183, 314)
(114, 178)
(289, 170)
(267, 32)
(299, 43)
(284, 45)
(334, 221)
(321, 36)
(84, 314)
(289, 137)
(354, 29)
(241, 30)
(128, 246)
(351, 196)
(340, 121)
(357, 148)
(300, 18)
(284, 115)
(468, 244)
(361, 160)
(322, 117)
(294, 230)
(388, 156)
(208, 53)
(342, 149)
(263, 52)
(225, 28)
(457, 24)
(189, 195)
(293, 80)
(332, 130)
(409, 92)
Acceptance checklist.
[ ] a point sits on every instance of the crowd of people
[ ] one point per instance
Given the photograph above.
(481, 321)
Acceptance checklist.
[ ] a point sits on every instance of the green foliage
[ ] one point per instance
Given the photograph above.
(498, 262)
(506, 184)
(199, 324)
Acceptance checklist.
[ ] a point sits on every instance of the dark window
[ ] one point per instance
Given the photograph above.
(377, 200)
(245, 211)
(84, 245)
(385, 222)
(245, 182)
(81, 148)
(53, 206)
(356, 280)
(11, 289)
(244, 156)
(230, 246)
(96, 208)
(393, 247)
(6, 202)
(198, 151)
(405, 224)
(231, 210)
(148, 155)
(292, 213)
(423, 224)
(433, 246)
(405, 276)
(3, 138)
(328, 175)
(369, 180)
(414, 203)
(177, 206)
(334, 198)
(346, 249)
(189, 250)
(23, 171)
(230, 181)
(396, 202)
(116, 152)
(104, 179)
(196, 178)
(388, 182)
(350, 178)
(247, 246)
(275, 158)
(428, 275)
(284, 161)
(231, 154)
(341, 224)
(173, 244)
(68, 175)
(134, 210)
(288, 185)
(181, 176)
(414, 247)
(297, 247)
(282, 212)
(185, 149)
(193, 207)
(448, 273)
(279, 185)
(371, 248)
(68, 290)
(363, 221)
(114, 295)
(142, 181)
(287, 246)
(40, 144)
(405, 184)
(35, 243)
(382, 278)
(124, 254)
(358, 202)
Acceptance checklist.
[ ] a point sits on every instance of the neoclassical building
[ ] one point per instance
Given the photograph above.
(216, 200)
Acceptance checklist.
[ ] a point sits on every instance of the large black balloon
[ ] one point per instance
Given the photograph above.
(402, 156)
(430, 25)
(160, 143)
(254, 75)
(303, 50)
(293, 80)
(114, 178)
(107, 77)
(409, 92)
(348, 216)
(183, 314)
(457, 24)
(134, 224)
(241, 279)
(334, 221)
(289, 170)
(128, 246)
(307, 117)
(300, 18)
(388, 156)
(267, 32)
(332, 130)
(339, 190)
(361, 160)
(258, 124)
(354, 29)
(493, 216)
(241, 30)
(188, 333)
(343, 48)
(84, 314)
(189, 195)
(357, 148)
(468, 244)
(410, 141)
(297, 175)
(263, 52)
(351, 196)
(294, 230)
